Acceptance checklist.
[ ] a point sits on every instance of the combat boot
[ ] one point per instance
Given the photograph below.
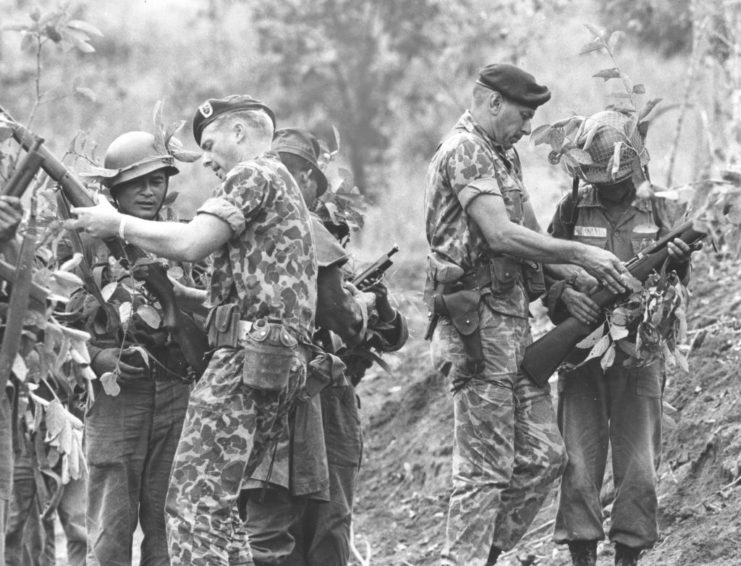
(583, 552)
(625, 555)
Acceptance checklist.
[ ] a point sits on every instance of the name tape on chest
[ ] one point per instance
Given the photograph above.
(590, 231)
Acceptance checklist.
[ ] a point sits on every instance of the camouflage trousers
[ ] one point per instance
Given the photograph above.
(507, 449)
(228, 428)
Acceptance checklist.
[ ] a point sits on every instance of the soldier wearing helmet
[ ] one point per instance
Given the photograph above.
(132, 428)
(262, 300)
(620, 406)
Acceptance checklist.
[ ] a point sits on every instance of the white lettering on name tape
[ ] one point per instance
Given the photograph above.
(590, 231)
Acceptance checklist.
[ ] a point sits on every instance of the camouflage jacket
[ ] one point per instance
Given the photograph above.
(269, 265)
(468, 155)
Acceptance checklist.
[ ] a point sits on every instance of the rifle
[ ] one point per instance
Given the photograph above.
(193, 340)
(370, 276)
(543, 356)
(25, 171)
(21, 274)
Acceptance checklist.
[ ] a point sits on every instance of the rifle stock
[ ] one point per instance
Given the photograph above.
(542, 357)
(192, 339)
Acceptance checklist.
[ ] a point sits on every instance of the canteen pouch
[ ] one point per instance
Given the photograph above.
(223, 326)
(270, 354)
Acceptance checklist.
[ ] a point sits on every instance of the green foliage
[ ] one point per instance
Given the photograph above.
(663, 24)
(58, 26)
(364, 64)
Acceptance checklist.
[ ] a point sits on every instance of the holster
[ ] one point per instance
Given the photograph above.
(462, 308)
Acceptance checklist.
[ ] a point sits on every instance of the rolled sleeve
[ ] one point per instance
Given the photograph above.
(226, 211)
(471, 171)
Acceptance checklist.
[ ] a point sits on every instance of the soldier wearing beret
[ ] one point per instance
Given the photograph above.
(262, 298)
(484, 268)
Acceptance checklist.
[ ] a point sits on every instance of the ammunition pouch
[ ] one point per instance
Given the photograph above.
(534, 279)
(222, 325)
(270, 355)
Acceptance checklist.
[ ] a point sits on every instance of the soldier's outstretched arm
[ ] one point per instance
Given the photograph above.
(503, 236)
(191, 241)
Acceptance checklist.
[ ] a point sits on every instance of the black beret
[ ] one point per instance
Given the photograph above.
(514, 83)
(305, 145)
(213, 107)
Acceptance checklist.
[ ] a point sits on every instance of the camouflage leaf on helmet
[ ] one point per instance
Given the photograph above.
(6, 129)
(541, 134)
(607, 74)
(159, 128)
(613, 165)
(556, 138)
(175, 148)
(580, 156)
(171, 130)
(646, 110)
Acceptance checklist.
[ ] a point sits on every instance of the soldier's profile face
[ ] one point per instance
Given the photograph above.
(142, 197)
(220, 151)
(511, 123)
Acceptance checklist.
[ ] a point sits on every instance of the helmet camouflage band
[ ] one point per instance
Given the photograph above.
(134, 154)
(599, 135)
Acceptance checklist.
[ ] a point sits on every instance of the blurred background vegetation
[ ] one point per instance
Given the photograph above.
(391, 76)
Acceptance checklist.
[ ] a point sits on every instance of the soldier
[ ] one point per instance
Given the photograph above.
(303, 517)
(483, 269)
(131, 428)
(620, 407)
(262, 296)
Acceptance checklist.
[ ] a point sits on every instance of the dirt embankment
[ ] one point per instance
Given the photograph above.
(405, 479)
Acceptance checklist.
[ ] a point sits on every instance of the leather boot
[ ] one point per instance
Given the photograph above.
(625, 555)
(583, 552)
(494, 553)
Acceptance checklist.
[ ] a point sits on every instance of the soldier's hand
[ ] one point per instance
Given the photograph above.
(580, 306)
(11, 213)
(679, 251)
(100, 221)
(108, 359)
(605, 267)
(386, 312)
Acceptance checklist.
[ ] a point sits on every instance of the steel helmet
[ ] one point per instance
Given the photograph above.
(598, 136)
(134, 154)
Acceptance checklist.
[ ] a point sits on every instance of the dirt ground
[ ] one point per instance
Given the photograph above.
(404, 483)
(405, 479)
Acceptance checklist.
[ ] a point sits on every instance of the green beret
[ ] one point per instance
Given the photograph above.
(214, 107)
(305, 145)
(514, 84)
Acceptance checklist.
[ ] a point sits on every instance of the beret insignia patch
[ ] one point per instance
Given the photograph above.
(206, 109)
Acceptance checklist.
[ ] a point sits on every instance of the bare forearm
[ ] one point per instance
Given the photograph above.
(171, 240)
(519, 241)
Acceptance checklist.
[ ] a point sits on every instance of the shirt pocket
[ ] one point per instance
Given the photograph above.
(643, 236)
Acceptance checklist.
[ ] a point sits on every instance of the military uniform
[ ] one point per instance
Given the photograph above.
(507, 449)
(130, 438)
(267, 269)
(620, 407)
